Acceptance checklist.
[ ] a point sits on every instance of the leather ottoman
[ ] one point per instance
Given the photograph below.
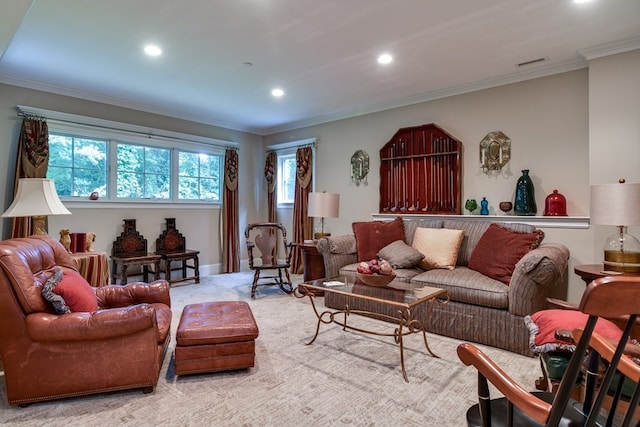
(215, 336)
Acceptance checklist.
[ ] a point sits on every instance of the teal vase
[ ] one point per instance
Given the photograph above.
(525, 203)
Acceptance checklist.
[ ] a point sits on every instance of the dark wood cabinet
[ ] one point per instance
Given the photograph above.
(420, 172)
(312, 262)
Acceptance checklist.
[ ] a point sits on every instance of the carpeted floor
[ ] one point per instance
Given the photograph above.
(342, 379)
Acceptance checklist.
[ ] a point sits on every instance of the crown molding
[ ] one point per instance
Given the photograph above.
(607, 49)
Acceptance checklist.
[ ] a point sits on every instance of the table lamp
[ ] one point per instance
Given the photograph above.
(323, 205)
(619, 205)
(37, 198)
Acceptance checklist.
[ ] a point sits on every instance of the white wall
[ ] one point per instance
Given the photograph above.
(546, 119)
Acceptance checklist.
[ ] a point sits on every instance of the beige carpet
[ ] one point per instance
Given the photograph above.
(343, 379)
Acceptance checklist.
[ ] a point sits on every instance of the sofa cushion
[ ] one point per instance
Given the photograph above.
(410, 225)
(439, 246)
(467, 286)
(77, 292)
(400, 255)
(371, 236)
(402, 274)
(543, 325)
(499, 249)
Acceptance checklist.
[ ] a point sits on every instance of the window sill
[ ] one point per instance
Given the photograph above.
(142, 204)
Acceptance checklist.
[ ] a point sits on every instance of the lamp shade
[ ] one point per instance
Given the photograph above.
(615, 204)
(324, 205)
(36, 197)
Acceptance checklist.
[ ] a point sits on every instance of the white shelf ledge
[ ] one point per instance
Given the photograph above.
(536, 221)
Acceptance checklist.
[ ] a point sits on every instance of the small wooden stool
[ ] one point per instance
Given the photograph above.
(215, 336)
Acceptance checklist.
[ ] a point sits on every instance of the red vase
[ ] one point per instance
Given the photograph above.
(555, 205)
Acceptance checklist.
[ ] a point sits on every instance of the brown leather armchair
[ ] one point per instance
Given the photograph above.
(48, 356)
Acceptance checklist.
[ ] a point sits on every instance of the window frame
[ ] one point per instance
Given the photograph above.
(112, 132)
(285, 149)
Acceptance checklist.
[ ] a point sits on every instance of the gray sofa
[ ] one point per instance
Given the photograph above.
(480, 309)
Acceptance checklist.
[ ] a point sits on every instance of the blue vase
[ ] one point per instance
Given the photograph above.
(484, 206)
(525, 203)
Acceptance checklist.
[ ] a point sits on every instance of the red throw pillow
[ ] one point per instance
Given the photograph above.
(499, 249)
(77, 292)
(371, 236)
(543, 325)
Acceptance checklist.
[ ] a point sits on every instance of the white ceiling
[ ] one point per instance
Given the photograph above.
(321, 52)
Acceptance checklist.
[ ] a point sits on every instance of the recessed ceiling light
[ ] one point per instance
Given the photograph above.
(277, 93)
(581, 1)
(152, 50)
(385, 58)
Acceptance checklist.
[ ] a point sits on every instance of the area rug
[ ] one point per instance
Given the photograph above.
(343, 379)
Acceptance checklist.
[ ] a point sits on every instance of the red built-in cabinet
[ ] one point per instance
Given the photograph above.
(420, 172)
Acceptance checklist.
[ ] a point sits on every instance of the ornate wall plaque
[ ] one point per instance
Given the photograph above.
(495, 151)
(359, 167)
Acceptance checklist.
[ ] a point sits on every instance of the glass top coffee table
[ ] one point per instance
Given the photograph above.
(402, 297)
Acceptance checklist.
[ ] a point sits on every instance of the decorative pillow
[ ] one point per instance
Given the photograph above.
(499, 249)
(371, 236)
(439, 246)
(543, 325)
(400, 255)
(77, 292)
(56, 300)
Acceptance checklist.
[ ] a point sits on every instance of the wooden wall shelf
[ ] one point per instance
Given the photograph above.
(420, 172)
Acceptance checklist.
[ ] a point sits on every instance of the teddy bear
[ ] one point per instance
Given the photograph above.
(91, 237)
(65, 239)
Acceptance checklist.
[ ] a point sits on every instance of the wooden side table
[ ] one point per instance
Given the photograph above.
(93, 266)
(312, 261)
(590, 272)
(313, 264)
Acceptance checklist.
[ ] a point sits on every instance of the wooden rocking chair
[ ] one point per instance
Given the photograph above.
(265, 236)
(608, 297)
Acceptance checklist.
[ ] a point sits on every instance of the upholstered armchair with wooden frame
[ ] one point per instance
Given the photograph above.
(265, 237)
(105, 339)
(607, 297)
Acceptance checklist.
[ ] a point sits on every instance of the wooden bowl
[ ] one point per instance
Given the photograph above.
(379, 280)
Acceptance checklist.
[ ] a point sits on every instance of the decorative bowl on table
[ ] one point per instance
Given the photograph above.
(379, 280)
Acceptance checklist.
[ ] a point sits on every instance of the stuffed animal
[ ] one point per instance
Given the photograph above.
(65, 239)
(91, 237)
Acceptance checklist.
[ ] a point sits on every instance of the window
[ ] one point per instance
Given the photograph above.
(199, 176)
(286, 178)
(143, 172)
(80, 165)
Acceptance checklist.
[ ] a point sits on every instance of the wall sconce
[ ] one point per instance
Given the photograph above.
(37, 198)
(495, 151)
(359, 167)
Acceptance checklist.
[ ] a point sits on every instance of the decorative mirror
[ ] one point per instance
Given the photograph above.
(495, 151)
(359, 167)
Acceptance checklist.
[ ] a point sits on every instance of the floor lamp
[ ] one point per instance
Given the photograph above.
(323, 205)
(618, 205)
(37, 198)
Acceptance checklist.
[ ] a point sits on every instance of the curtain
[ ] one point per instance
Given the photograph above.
(32, 162)
(270, 172)
(230, 233)
(302, 224)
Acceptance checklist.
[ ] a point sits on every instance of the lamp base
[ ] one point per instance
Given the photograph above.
(624, 262)
(320, 235)
(39, 225)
